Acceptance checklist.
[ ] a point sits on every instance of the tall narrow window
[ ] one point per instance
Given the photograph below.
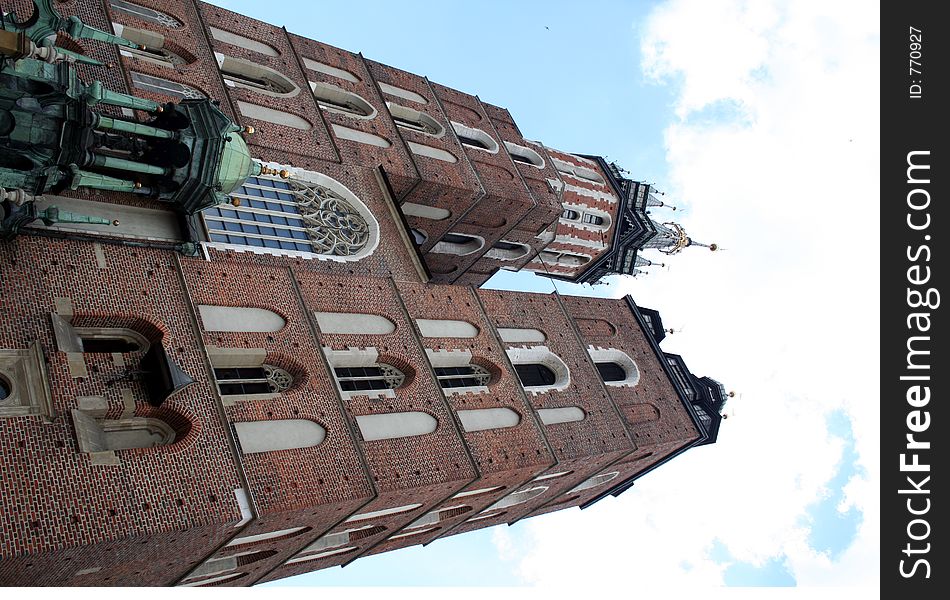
(610, 371)
(409, 118)
(524, 155)
(151, 47)
(338, 100)
(376, 377)
(158, 85)
(265, 379)
(290, 215)
(535, 375)
(253, 76)
(146, 14)
(593, 219)
(456, 243)
(467, 376)
(475, 138)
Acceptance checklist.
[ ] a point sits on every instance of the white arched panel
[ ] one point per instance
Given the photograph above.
(517, 335)
(389, 426)
(278, 117)
(384, 512)
(446, 328)
(335, 322)
(488, 418)
(239, 40)
(567, 414)
(283, 434)
(239, 319)
(517, 498)
(594, 481)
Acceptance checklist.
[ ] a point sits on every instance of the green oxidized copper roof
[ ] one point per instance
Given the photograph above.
(236, 164)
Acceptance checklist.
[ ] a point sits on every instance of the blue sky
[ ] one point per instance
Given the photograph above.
(760, 120)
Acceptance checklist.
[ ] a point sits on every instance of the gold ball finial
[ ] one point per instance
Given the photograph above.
(138, 185)
(115, 223)
(284, 173)
(160, 109)
(713, 247)
(249, 129)
(732, 394)
(235, 202)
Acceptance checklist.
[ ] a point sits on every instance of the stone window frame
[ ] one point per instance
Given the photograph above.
(146, 14)
(241, 73)
(457, 358)
(541, 355)
(154, 50)
(621, 359)
(230, 358)
(415, 120)
(29, 392)
(165, 87)
(337, 100)
(357, 357)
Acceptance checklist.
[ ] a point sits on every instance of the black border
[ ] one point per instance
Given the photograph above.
(911, 124)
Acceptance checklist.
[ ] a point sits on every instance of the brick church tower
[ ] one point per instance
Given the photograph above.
(308, 373)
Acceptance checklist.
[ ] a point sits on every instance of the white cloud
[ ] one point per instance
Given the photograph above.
(788, 314)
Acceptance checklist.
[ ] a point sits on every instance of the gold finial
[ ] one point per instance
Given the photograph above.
(249, 129)
(713, 247)
(160, 109)
(138, 185)
(235, 202)
(732, 394)
(115, 223)
(142, 47)
(284, 173)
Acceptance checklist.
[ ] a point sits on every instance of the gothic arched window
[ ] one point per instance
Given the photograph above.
(376, 377)
(146, 14)
(250, 75)
(465, 376)
(290, 215)
(535, 375)
(611, 371)
(151, 46)
(240, 381)
(165, 87)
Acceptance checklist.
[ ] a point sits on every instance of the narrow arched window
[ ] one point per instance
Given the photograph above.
(249, 75)
(611, 371)
(332, 71)
(338, 100)
(151, 47)
(465, 376)
(593, 219)
(457, 243)
(291, 215)
(409, 118)
(425, 212)
(376, 377)
(475, 138)
(158, 85)
(146, 14)
(265, 379)
(570, 215)
(524, 155)
(505, 250)
(535, 375)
